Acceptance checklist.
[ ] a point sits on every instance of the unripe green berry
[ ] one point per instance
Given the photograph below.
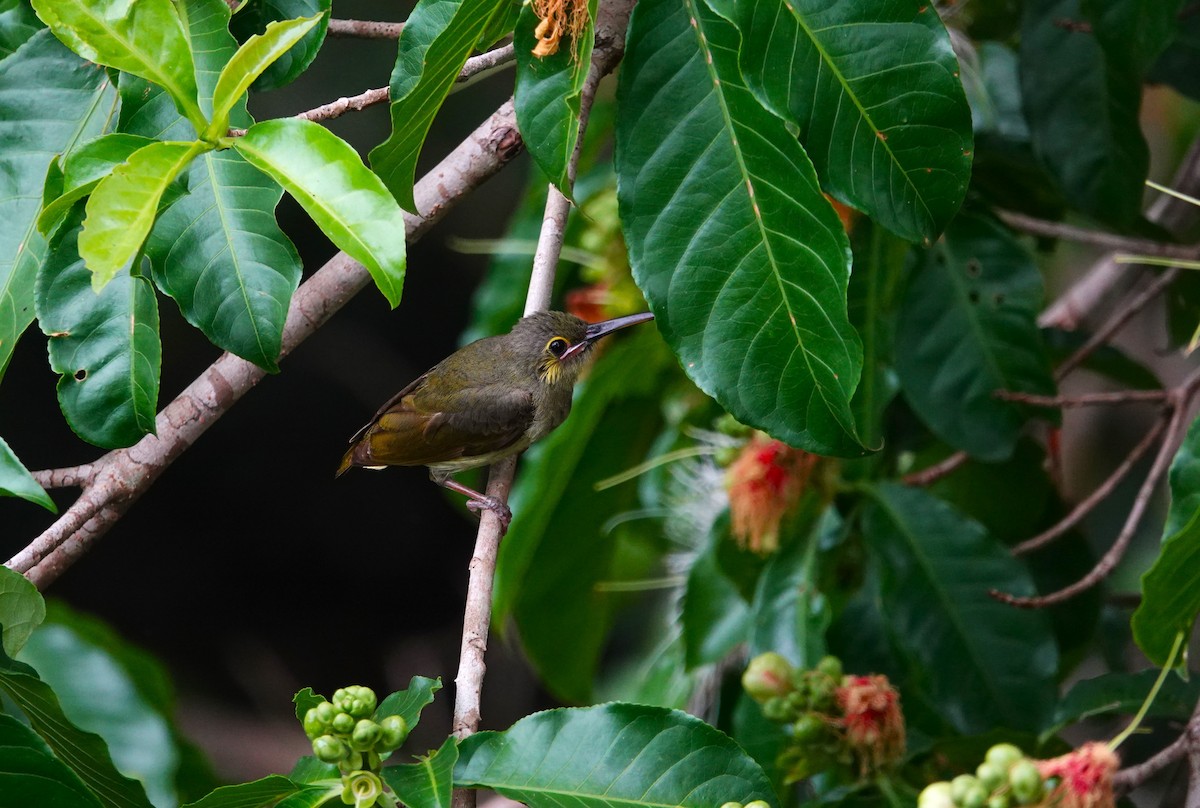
(395, 730)
(808, 728)
(329, 749)
(758, 804)
(976, 796)
(999, 801)
(342, 723)
(961, 785)
(991, 775)
(366, 733)
(1003, 756)
(936, 795)
(831, 666)
(1026, 781)
(731, 805)
(767, 676)
(776, 709)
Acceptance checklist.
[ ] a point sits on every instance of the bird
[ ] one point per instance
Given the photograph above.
(490, 399)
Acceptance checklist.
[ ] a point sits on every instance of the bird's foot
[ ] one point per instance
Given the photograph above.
(502, 511)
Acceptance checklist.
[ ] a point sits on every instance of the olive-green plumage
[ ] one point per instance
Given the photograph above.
(488, 400)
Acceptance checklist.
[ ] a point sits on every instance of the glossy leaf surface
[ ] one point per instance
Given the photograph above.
(986, 663)
(50, 102)
(265, 793)
(17, 24)
(16, 481)
(144, 38)
(967, 328)
(743, 261)
(874, 89)
(253, 18)
(122, 207)
(409, 703)
(31, 775)
(428, 782)
(643, 756)
(22, 609)
(438, 37)
(547, 95)
(346, 200)
(82, 171)
(104, 346)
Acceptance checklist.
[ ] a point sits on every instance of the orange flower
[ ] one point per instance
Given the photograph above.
(764, 482)
(558, 17)
(1086, 775)
(871, 719)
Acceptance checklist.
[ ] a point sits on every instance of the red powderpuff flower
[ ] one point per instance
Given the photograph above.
(1086, 777)
(764, 482)
(871, 719)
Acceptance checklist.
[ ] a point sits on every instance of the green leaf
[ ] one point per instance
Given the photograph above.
(305, 699)
(104, 346)
(409, 703)
(1184, 481)
(31, 775)
(17, 24)
(638, 756)
(145, 39)
(559, 547)
(967, 328)
(21, 609)
(83, 752)
(121, 209)
(82, 171)
(310, 770)
(428, 782)
(345, 199)
(1133, 32)
(264, 793)
(715, 617)
(1082, 107)
(254, 56)
(437, 38)
(16, 481)
(714, 194)
(1179, 63)
(119, 692)
(983, 662)
(875, 91)
(253, 18)
(547, 95)
(1124, 693)
(50, 101)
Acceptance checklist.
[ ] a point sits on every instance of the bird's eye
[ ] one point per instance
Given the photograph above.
(557, 346)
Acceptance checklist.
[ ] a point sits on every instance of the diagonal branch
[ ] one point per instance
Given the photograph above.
(120, 477)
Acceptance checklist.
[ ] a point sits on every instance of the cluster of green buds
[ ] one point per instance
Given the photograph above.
(751, 804)
(345, 732)
(1005, 779)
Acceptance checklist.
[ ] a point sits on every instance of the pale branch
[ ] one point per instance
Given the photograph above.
(124, 475)
(1087, 504)
(931, 474)
(365, 29)
(1179, 406)
(68, 477)
(1096, 238)
(1130, 777)
(1193, 756)
(611, 23)
(1084, 399)
(1106, 278)
(474, 67)
(1116, 321)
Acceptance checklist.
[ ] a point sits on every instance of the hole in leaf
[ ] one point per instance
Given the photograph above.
(998, 298)
(973, 296)
(81, 374)
(974, 268)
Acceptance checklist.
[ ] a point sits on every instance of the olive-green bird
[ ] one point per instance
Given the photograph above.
(487, 400)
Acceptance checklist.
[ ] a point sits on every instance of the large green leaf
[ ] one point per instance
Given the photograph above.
(409, 703)
(967, 328)
(559, 548)
(428, 782)
(1126, 693)
(105, 346)
(16, 481)
(714, 616)
(743, 261)
(1133, 32)
(874, 88)
(50, 101)
(31, 775)
(17, 24)
(21, 609)
(1081, 102)
(1179, 63)
(144, 38)
(83, 752)
(347, 201)
(254, 56)
(1184, 481)
(637, 756)
(268, 792)
(547, 95)
(438, 37)
(81, 172)
(984, 663)
(253, 18)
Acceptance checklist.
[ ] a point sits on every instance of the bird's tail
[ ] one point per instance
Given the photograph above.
(347, 461)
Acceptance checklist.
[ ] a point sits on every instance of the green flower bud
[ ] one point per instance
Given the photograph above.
(976, 797)
(758, 804)
(1003, 756)
(342, 723)
(728, 425)
(325, 712)
(313, 725)
(360, 701)
(366, 733)
(808, 728)
(936, 795)
(329, 749)
(731, 805)
(999, 801)
(338, 695)
(991, 775)
(364, 788)
(767, 676)
(1026, 781)
(373, 761)
(777, 710)
(395, 730)
(831, 666)
(961, 785)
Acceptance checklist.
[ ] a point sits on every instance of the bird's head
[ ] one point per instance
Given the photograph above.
(561, 342)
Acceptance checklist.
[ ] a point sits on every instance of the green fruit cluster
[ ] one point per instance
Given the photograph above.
(345, 731)
(811, 691)
(1005, 779)
(751, 804)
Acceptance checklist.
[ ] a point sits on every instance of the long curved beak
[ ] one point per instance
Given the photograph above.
(597, 330)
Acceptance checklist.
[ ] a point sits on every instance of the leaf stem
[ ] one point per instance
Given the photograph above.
(1158, 683)
(653, 463)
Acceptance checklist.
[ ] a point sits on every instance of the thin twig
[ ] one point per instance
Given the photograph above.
(365, 29)
(68, 477)
(1096, 238)
(1103, 490)
(1131, 777)
(1192, 734)
(1084, 399)
(931, 474)
(124, 475)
